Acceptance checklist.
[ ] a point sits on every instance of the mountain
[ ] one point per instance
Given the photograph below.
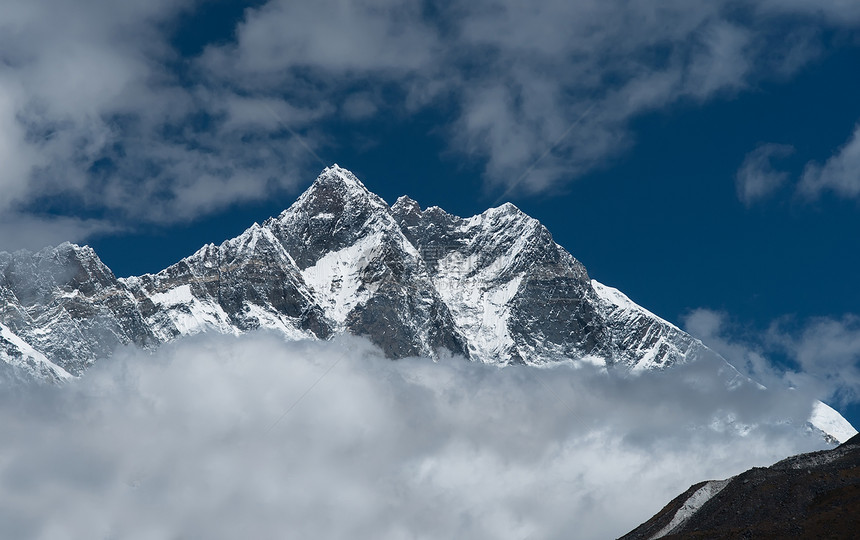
(68, 306)
(494, 288)
(814, 495)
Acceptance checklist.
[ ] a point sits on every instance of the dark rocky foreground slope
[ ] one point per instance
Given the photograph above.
(813, 496)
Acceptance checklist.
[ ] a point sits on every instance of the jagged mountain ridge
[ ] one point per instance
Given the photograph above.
(495, 288)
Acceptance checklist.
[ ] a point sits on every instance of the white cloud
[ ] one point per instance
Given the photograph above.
(839, 12)
(747, 353)
(522, 74)
(724, 61)
(16, 156)
(357, 37)
(827, 351)
(840, 174)
(211, 438)
(757, 179)
(93, 117)
(359, 106)
(824, 353)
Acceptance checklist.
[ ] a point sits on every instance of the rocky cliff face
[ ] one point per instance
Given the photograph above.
(517, 296)
(68, 306)
(494, 287)
(246, 283)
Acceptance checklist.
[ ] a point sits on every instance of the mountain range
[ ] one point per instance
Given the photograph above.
(494, 288)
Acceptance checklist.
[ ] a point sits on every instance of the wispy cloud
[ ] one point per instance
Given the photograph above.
(182, 444)
(839, 174)
(827, 350)
(28, 231)
(823, 353)
(757, 178)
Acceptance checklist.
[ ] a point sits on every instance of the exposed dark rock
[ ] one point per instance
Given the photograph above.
(813, 496)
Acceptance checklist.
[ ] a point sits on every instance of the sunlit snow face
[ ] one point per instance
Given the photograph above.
(225, 437)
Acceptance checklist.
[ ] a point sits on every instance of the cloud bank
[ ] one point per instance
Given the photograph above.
(104, 118)
(221, 437)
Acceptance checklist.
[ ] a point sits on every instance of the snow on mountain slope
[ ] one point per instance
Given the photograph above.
(520, 297)
(643, 340)
(516, 294)
(69, 306)
(336, 277)
(26, 360)
(180, 310)
(829, 421)
(246, 283)
(659, 344)
(692, 505)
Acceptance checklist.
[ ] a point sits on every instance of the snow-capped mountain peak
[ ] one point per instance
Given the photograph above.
(407, 203)
(334, 192)
(341, 175)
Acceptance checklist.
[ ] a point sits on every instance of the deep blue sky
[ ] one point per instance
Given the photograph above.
(150, 129)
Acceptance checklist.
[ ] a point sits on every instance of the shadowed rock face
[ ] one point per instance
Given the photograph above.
(494, 287)
(812, 496)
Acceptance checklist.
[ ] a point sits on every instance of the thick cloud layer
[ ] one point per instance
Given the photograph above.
(225, 437)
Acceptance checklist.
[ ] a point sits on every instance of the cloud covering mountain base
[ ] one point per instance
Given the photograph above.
(223, 437)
